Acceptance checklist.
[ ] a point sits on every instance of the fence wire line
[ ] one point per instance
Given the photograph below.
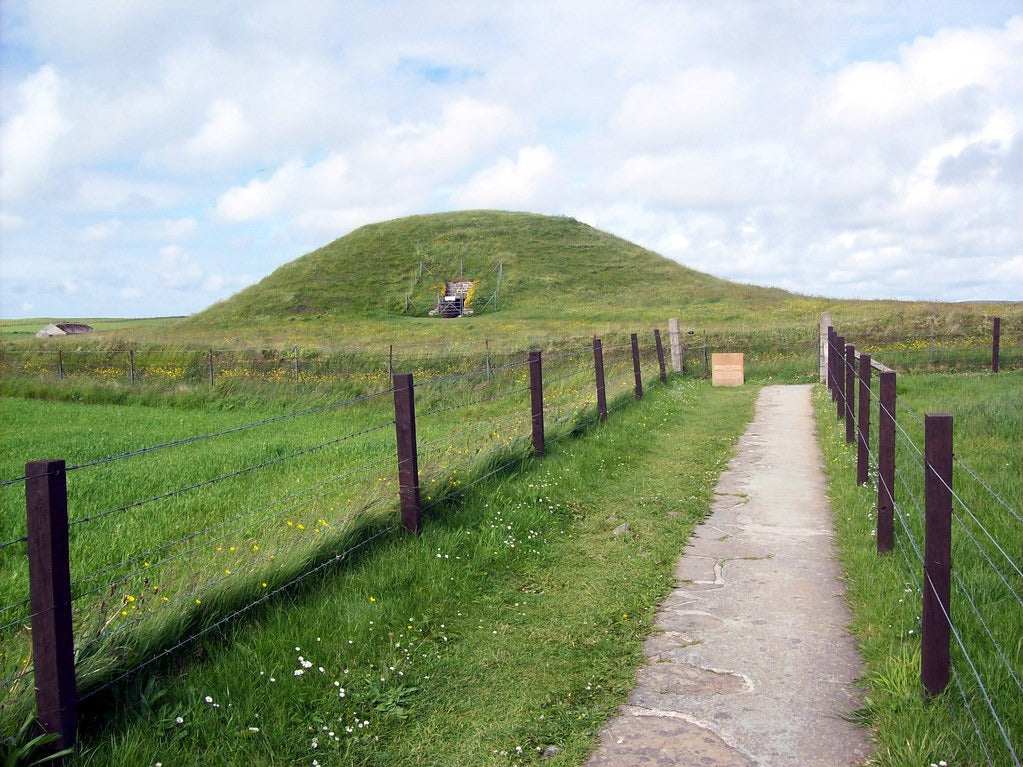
(986, 557)
(969, 710)
(973, 669)
(152, 566)
(232, 430)
(984, 485)
(15, 542)
(263, 598)
(464, 405)
(987, 630)
(229, 475)
(979, 524)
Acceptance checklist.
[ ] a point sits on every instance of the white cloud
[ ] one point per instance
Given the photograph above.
(100, 232)
(28, 138)
(291, 187)
(177, 270)
(225, 132)
(700, 105)
(509, 183)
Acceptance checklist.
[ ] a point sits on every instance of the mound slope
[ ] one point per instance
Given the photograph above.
(525, 264)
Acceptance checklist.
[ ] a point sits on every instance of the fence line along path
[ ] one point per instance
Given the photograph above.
(751, 662)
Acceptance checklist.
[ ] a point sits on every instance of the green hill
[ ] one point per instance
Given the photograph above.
(526, 265)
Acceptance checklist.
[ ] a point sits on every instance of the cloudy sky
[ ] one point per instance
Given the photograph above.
(157, 156)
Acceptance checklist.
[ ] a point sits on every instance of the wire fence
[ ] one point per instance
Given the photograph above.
(980, 610)
(169, 542)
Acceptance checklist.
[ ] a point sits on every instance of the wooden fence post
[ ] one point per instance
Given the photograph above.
(53, 648)
(408, 458)
(635, 366)
(936, 619)
(211, 366)
(598, 367)
(839, 348)
(996, 336)
(536, 401)
(131, 366)
(486, 342)
(660, 356)
(863, 423)
(675, 342)
(850, 393)
(60, 364)
(886, 462)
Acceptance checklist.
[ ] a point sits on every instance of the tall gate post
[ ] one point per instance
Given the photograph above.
(675, 342)
(824, 336)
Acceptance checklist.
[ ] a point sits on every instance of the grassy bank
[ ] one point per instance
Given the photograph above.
(957, 726)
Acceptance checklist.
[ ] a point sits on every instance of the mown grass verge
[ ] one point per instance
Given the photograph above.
(884, 591)
(513, 623)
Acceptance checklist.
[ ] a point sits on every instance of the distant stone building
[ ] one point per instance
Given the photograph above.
(64, 329)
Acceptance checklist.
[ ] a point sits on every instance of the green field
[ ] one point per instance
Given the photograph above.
(958, 726)
(514, 621)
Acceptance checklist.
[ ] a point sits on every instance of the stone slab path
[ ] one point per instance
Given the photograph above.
(750, 662)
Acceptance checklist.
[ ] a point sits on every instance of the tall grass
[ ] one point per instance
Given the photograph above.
(957, 726)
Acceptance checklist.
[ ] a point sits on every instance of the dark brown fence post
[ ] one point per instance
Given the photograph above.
(660, 356)
(211, 367)
(850, 393)
(863, 423)
(839, 376)
(635, 366)
(598, 366)
(830, 358)
(536, 401)
(935, 621)
(886, 462)
(60, 364)
(408, 459)
(131, 366)
(996, 336)
(297, 372)
(49, 569)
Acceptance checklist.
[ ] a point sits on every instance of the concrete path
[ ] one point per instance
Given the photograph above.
(750, 662)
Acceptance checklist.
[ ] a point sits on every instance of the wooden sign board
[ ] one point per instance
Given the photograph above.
(727, 370)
